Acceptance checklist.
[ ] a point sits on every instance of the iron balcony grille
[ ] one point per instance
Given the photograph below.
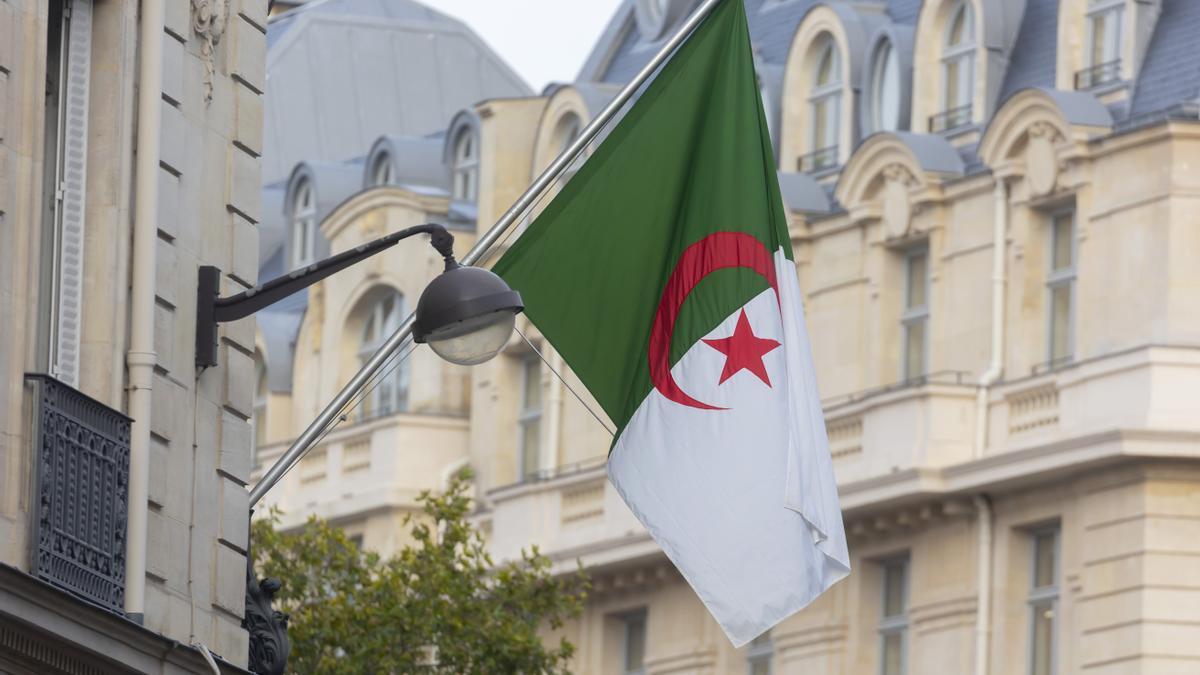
(82, 491)
(949, 120)
(825, 158)
(1099, 74)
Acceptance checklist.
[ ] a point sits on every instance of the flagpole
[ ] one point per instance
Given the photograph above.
(315, 429)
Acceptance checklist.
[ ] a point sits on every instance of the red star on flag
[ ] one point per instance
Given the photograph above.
(743, 351)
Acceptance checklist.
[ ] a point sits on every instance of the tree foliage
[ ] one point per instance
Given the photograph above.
(441, 605)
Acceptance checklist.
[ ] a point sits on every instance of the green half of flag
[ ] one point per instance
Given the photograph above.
(690, 159)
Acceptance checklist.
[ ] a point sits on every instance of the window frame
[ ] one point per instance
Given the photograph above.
(1114, 9)
(962, 55)
(529, 416)
(910, 315)
(1043, 596)
(304, 224)
(761, 650)
(826, 97)
(885, 53)
(628, 620)
(1057, 278)
(383, 172)
(895, 624)
(466, 166)
(374, 404)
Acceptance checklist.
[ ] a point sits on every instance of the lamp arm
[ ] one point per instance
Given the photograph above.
(212, 310)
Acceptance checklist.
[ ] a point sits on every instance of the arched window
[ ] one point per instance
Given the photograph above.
(383, 318)
(382, 172)
(885, 89)
(958, 68)
(304, 225)
(466, 166)
(825, 102)
(259, 421)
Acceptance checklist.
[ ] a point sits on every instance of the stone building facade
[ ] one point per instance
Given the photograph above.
(992, 207)
(130, 144)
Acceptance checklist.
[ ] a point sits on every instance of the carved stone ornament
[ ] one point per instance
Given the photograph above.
(897, 208)
(209, 18)
(269, 643)
(1041, 163)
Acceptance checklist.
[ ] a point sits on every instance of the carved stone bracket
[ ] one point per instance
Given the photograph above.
(209, 18)
(269, 644)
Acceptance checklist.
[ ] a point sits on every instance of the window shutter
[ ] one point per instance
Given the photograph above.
(71, 191)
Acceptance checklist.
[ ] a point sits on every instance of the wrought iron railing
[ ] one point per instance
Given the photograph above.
(82, 451)
(818, 160)
(1099, 74)
(949, 120)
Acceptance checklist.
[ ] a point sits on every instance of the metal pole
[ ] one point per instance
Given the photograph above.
(482, 245)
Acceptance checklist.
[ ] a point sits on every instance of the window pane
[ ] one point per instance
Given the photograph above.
(1060, 322)
(893, 654)
(1063, 253)
(914, 349)
(532, 386)
(952, 75)
(760, 666)
(1099, 40)
(531, 431)
(893, 590)
(820, 124)
(887, 91)
(1044, 553)
(957, 27)
(918, 276)
(635, 643)
(1043, 639)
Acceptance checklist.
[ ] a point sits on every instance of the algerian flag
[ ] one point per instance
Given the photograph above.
(663, 275)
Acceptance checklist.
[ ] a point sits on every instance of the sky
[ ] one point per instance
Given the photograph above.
(543, 40)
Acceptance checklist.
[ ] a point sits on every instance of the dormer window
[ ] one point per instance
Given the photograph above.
(655, 16)
(885, 89)
(304, 225)
(466, 166)
(383, 173)
(958, 69)
(1104, 44)
(825, 106)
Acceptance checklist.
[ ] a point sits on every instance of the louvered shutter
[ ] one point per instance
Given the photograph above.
(71, 191)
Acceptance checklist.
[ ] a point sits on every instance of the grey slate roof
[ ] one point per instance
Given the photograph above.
(1171, 71)
(1036, 51)
(342, 73)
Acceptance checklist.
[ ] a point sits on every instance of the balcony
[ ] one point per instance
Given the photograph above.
(950, 120)
(1098, 75)
(925, 422)
(82, 493)
(570, 512)
(378, 464)
(818, 160)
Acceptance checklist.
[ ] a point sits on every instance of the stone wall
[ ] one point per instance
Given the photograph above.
(208, 181)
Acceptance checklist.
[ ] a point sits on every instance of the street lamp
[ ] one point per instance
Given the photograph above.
(465, 315)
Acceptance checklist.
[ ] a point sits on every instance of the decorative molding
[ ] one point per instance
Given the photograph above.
(269, 643)
(209, 19)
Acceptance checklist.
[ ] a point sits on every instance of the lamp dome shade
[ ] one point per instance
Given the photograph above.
(466, 315)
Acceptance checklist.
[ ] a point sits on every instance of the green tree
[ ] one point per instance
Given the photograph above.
(440, 605)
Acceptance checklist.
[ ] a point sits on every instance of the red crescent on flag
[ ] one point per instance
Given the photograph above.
(717, 251)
